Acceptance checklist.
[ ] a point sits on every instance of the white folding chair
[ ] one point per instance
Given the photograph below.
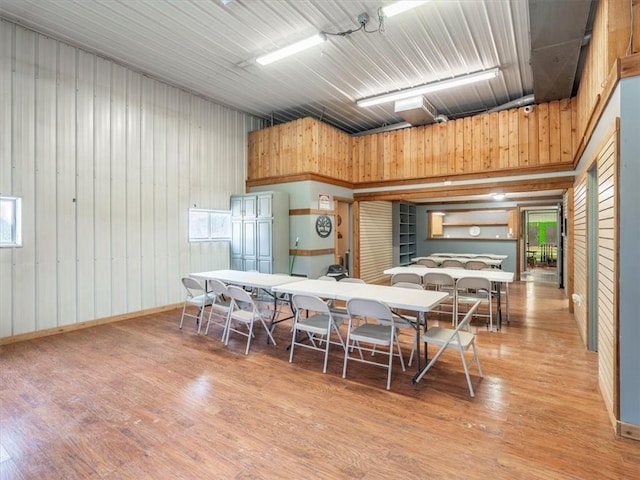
(244, 311)
(408, 277)
(198, 297)
(428, 262)
(409, 323)
(468, 291)
(442, 282)
(314, 318)
(377, 329)
(220, 307)
(452, 263)
(476, 265)
(459, 339)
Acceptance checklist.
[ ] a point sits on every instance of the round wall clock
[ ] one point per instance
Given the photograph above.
(323, 226)
(474, 231)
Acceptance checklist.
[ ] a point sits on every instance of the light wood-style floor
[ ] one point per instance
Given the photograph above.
(141, 399)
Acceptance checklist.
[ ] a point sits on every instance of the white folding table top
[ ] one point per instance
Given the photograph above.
(471, 255)
(494, 262)
(246, 279)
(494, 274)
(394, 297)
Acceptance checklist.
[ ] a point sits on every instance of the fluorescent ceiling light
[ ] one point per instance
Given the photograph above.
(291, 49)
(402, 6)
(429, 88)
(498, 196)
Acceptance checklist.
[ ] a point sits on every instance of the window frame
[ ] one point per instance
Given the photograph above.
(15, 221)
(216, 218)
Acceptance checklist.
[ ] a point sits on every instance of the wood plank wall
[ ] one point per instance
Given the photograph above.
(611, 39)
(509, 140)
(607, 274)
(301, 146)
(580, 255)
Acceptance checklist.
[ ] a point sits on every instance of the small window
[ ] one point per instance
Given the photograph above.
(10, 222)
(209, 225)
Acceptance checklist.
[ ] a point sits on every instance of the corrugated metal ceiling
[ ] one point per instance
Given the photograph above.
(209, 48)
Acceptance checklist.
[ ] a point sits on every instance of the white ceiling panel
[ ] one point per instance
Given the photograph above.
(210, 48)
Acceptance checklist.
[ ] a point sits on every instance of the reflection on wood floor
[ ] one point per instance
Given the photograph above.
(141, 399)
(540, 275)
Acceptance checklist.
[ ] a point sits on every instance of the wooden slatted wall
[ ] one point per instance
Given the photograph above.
(502, 141)
(301, 146)
(580, 255)
(607, 285)
(511, 139)
(611, 39)
(376, 240)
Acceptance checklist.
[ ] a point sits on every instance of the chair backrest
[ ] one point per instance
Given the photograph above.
(476, 265)
(415, 286)
(352, 280)
(452, 263)
(326, 278)
(217, 287)
(408, 277)
(309, 302)
(427, 262)
(241, 297)
(438, 280)
(363, 307)
(193, 287)
(473, 283)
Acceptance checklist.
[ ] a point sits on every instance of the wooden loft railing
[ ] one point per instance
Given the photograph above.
(517, 140)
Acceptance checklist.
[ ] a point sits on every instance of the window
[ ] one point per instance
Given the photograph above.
(209, 225)
(10, 222)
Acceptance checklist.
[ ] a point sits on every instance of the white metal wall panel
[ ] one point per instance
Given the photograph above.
(66, 185)
(6, 188)
(376, 240)
(107, 162)
(146, 194)
(118, 192)
(159, 175)
(173, 202)
(45, 178)
(133, 213)
(24, 108)
(102, 186)
(85, 194)
(184, 176)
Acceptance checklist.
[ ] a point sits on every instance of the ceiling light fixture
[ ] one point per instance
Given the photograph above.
(498, 196)
(291, 49)
(429, 88)
(402, 6)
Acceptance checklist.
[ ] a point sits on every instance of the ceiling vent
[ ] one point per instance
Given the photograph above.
(416, 110)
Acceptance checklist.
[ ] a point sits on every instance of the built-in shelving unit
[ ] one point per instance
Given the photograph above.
(407, 233)
(473, 224)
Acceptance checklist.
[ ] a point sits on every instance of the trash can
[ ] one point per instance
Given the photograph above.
(337, 271)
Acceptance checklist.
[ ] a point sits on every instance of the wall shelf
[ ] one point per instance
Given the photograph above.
(481, 224)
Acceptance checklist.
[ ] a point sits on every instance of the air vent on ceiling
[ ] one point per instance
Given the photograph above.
(416, 111)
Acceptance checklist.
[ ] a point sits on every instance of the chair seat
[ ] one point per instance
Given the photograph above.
(221, 306)
(440, 336)
(198, 300)
(371, 333)
(318, 323)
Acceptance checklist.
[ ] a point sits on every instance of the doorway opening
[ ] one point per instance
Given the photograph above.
(541, 237)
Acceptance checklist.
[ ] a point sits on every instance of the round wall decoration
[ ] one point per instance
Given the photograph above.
(323, 226)
(474, 231)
